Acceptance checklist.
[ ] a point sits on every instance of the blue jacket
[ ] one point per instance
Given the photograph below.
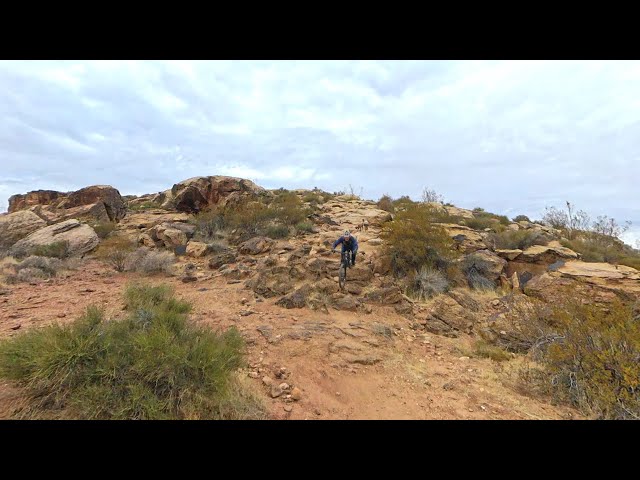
(353, 247)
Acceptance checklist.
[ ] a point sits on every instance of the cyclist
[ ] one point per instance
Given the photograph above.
(349, 244)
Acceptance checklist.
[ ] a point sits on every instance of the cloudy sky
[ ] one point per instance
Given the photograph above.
(509, 136)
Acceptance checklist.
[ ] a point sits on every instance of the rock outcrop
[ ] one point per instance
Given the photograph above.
(16, 226)
(98, 202)
(199, 193)
(81, 238)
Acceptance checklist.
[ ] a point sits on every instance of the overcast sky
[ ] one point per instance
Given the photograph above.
(509, 136)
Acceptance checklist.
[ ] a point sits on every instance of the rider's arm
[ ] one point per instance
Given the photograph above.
(337, 242)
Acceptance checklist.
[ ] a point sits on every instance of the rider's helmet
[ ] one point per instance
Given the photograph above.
(347, 233)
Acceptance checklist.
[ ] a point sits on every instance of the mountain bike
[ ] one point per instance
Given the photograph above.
(345, 262)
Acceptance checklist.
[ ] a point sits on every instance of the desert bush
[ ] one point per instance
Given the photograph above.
(521, 218)
(482, 220)
(314, 198)
(590, 357)
(516, 239)
(277, 231)
(209, 224)
(428, 282)
(55, 249)
(610, 250)
(154, 364)
(103, 229)
(218, 246)
(30, 274)
(305, 227)
(403, 203)
(412, 241)
(49, 266)
(484, 349)
(288, 209)
(144, 260)
(114, 251)
(386, 203)
(430, 195)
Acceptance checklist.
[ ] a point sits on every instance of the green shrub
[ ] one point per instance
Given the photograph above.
(103, 229)
(154, 364)
(516, 239)
(142, 206)
(277, 231)
(589, 357)
(114, 251)
(386, 203)
(306, 227)
(594, 248)
(521, 218)
(289, 209)
(412, 241)
(55, 249)
(209, 224)
(484, 349)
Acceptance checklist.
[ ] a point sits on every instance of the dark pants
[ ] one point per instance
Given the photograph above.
(353, 255)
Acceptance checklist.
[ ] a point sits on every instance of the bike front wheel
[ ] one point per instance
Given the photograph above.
(342, 276)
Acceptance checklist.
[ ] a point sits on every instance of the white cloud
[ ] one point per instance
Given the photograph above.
(512, 136)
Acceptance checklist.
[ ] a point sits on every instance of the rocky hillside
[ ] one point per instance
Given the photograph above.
(370, 351)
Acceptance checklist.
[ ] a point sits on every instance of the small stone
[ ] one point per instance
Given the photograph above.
(16, 327)
(288, 408)
(471, 409)
(253, 375)
(276, 391)
(267, 381)
(495, 303)
(338, 394)
(284, 386)
(61, 315)
(317, 411)
(244, 301)
(463, 359)
(296, 394)
(189, 279)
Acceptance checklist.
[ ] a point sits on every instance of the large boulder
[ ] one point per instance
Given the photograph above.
(466, 239)
(485, 263)
(597, 282)
(385, 295)
(80, 237)
(197, 249)
(99, 202)
(547, 255)
(199, 193)
(151, 218)
(256, 246)
(15, 226)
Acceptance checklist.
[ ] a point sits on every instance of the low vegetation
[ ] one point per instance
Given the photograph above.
(517, 239)
(386, 203)
(154, 364)
(275, 218)
(428, 282)
(413, 241)
(145, 260)
(104, 229)
(114, 251)
(36, 268)
(586, 355)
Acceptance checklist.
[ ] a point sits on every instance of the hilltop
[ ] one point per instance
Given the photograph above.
(430, 324)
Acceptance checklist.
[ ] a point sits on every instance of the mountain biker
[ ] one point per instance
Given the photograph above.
(349, 243)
